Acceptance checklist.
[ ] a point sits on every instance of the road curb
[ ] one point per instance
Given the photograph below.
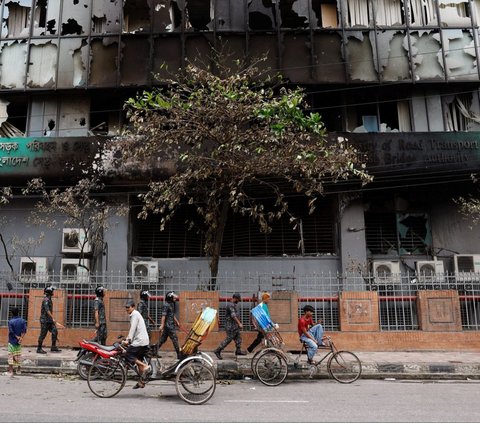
(241, 369)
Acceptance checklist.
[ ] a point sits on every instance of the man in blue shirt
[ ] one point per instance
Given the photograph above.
(17, 327)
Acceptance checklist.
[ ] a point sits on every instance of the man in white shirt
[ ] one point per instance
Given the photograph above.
(137, 341)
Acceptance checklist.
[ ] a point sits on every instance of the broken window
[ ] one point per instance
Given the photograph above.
(199, 15)
(76, 18)
(16, 16)
(66, 117)
(326, 13)
(13, 116)
(230, 15)
(422, 13)
(43, 64)
(393, 55)
(460, 57)
(136, 15)
(461, 112)
(389, 12)
(105, 17)
(360, 56)
(106, 113)
(294, 13)
(46, 17)
(261, 15)
(103, 62)
(382, 115)
(358, 13)
(73, 61)
(13, 61)
(427, 59)
(454, 13)
(397, 226)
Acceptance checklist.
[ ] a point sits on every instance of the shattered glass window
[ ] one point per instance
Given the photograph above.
(414, 233)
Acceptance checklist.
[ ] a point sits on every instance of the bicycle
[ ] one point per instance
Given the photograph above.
(270, 364)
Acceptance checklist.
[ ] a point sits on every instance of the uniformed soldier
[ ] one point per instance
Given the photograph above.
(169, 323)
(143, 310)
(100, 317)
(47, 322)
(232, 327)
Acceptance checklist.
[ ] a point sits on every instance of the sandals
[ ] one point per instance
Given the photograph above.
(145, 373)
(139, 385)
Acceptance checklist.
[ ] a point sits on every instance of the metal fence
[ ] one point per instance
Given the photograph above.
(397, 293)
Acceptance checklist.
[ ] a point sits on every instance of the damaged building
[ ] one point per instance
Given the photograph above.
(399, 78)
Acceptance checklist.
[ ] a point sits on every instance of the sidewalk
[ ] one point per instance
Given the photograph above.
(375, 365)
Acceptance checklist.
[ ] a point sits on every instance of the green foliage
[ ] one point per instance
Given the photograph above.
(226, 136)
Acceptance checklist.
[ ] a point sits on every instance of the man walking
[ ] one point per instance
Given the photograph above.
(232, 327)
(100, 318)
(143, 310)
(169, 323)
(47, 322)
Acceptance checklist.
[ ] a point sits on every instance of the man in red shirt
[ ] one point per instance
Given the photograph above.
(309, 333)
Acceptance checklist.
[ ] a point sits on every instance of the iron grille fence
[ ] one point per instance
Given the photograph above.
(397, 293)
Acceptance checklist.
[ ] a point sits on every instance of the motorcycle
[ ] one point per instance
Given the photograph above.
(90, 350)
(85, 356)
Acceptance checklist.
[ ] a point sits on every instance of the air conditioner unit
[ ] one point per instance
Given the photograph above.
(144, 271)
(33, 269)
(73, 239)
(430, 271)
(386, 272)
(72, 270)
(466, 263)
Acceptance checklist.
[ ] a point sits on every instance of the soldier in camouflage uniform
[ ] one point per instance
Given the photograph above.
(143, 310)
(232, 327)
(47, 322)
(169, 324)
(100, 317)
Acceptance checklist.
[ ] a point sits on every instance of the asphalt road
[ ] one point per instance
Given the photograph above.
(65, 399)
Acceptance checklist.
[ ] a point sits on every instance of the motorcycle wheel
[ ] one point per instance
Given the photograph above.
(82, 368)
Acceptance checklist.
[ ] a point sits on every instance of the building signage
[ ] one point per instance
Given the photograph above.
(418, 150)
(30, 157)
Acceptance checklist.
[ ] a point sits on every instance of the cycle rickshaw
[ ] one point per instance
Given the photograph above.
(194, 373)
(270, 364)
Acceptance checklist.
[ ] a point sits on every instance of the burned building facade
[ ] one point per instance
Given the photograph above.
(400, 78)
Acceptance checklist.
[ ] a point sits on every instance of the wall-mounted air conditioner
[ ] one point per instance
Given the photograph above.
(466, 263)
(72, 241)
(33, 269)
(74, 270)
(144, 271)
(430, 271)
(386, 272)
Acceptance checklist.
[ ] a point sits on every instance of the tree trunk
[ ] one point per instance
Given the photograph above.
(217, 244)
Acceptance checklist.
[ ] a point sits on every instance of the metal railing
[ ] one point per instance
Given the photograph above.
(397, 293)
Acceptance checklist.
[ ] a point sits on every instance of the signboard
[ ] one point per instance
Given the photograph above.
(33, 156)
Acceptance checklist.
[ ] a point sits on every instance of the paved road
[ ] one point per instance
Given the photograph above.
(61, 399)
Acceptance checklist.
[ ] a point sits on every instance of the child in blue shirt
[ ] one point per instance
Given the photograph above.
(17, 327)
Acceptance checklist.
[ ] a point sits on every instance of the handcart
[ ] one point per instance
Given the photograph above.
(194, 373)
